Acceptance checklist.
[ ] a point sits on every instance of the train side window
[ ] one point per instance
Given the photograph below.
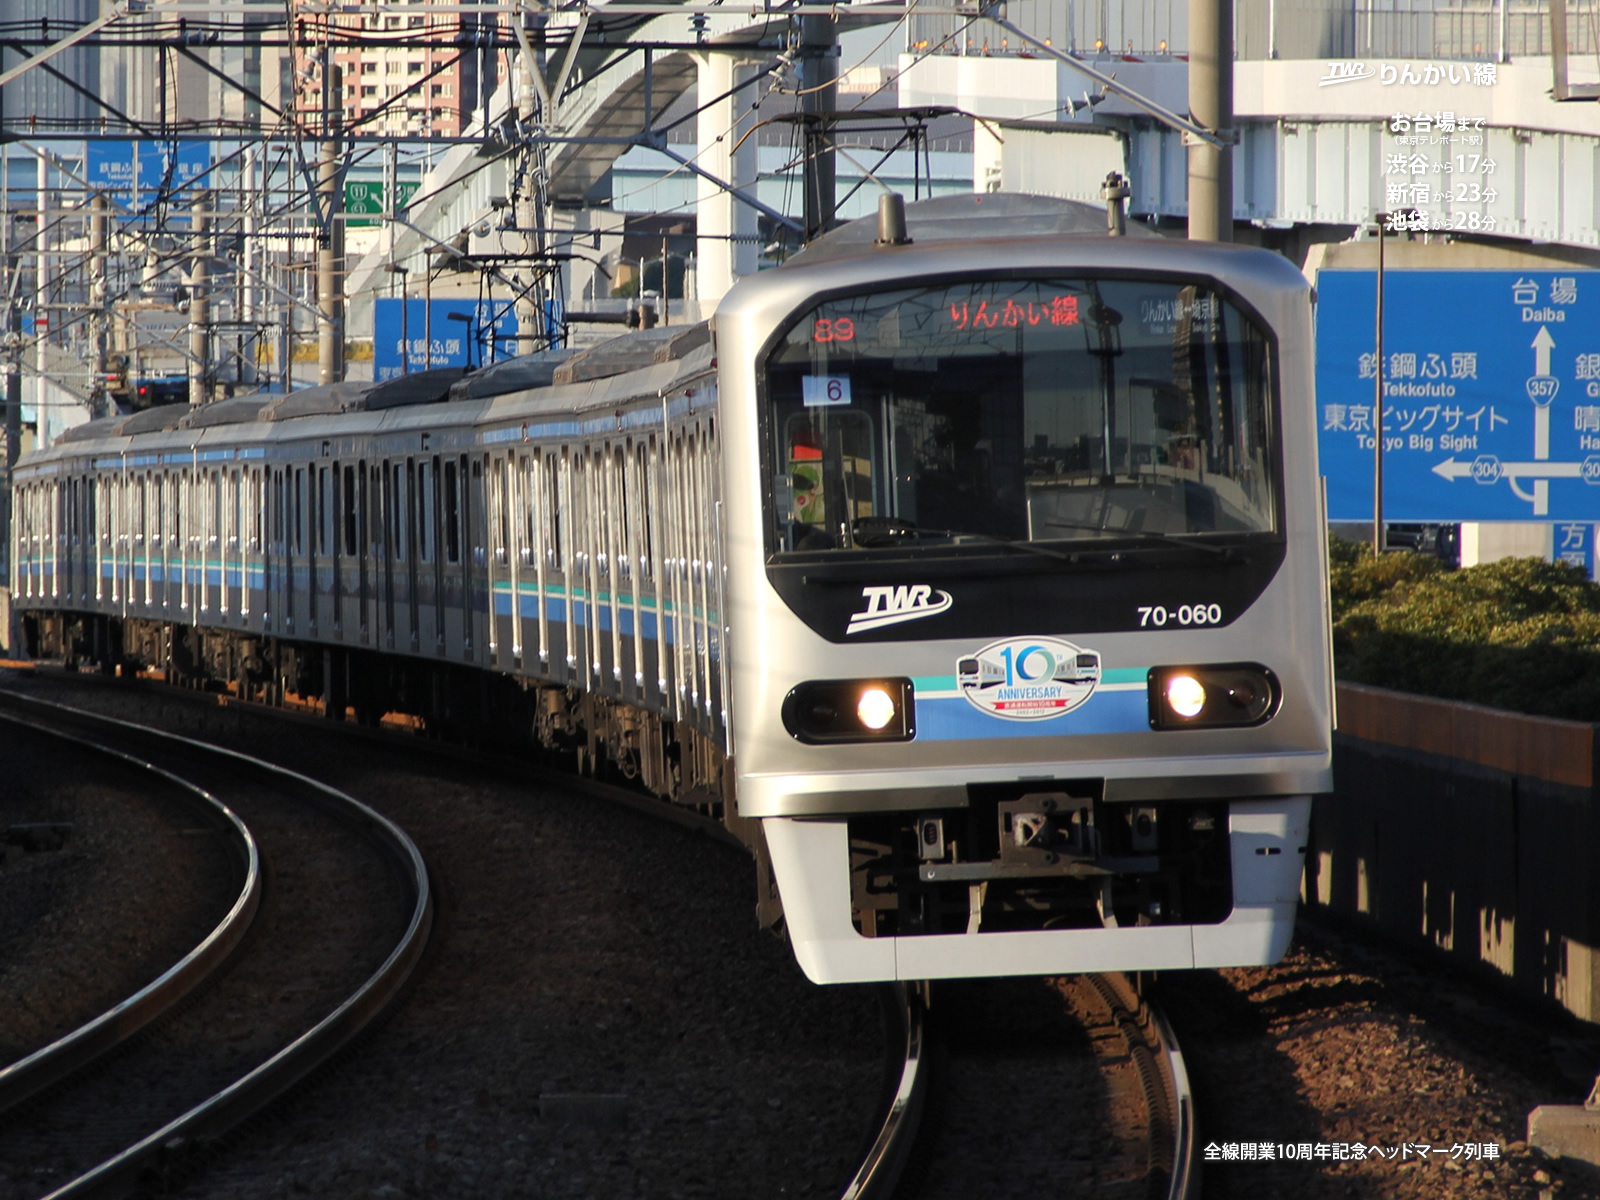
(644, 457)
(323, 506)
(235, 530)
(551, 511)
(394, 511)
(297, 516)
(370, 498)
(257, 509)
(426, 495)
(476, 516)
(213, 487)
(621, 514)
(452, 512)
(528, 498)
(347, 504)
(500, 512)
(280, 505)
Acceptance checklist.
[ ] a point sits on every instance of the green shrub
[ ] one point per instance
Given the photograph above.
(1519, 634)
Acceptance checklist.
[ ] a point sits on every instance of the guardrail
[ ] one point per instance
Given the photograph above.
(1470, 829)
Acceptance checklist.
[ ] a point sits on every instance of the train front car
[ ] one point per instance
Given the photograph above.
(1031, 667)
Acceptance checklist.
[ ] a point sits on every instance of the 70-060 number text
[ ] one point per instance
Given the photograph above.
(1156, 616)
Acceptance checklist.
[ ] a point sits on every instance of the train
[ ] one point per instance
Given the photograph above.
(970, 567)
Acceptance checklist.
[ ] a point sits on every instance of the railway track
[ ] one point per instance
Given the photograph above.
(252, 1010)
(906, 1073)
(1144, 1064)
(1070, 1086)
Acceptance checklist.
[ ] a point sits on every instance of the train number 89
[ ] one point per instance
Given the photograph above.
(1158, 616)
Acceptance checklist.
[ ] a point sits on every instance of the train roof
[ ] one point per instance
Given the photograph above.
(973, 218)
(346, 408)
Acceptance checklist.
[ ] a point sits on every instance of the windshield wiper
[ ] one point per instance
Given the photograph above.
(1153, 535)
(879, 532)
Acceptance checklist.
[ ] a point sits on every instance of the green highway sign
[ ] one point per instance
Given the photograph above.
(364, 198)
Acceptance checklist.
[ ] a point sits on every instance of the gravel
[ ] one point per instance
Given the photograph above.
(134, 888)
(1349, 1041)
(599, 1017)
(599, 1014)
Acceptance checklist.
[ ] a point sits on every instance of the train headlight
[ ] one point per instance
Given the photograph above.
(830, 711)
(1210, 697)
(1185, 695)
(876, 708)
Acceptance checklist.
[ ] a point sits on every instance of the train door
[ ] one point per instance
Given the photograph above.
(614, 560)
(579, 607)
(450, 550)
(253, 577)
(533, 552)
(370, 551)
(139, 555)
(682, 508)
(319, 583)
(496, 566)
(414, 539)
(518, 555)
(69, 539)
(551, 580)
(392, 533)
(99, 530)
(475, 520)
(232, 544)
(594, 580)
(639, 561)
(274, 600)
(430, 521)
(342, 548)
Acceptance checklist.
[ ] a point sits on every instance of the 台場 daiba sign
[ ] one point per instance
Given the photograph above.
(1491, 383)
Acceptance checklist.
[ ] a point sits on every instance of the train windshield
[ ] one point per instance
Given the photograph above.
(1064, 409)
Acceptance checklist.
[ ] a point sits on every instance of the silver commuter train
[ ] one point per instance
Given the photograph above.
(757, 572)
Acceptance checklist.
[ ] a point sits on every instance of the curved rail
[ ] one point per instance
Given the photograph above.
(1153, 1048)
(50, 1064)
(1185, 1180)
(885, 1162)
(248, 1095)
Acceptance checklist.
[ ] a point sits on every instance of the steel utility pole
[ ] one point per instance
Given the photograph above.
(1378, 546)
(527, 211)
(819, 87)
(330, 245)
(1211, 107)
(200, 302)
(98, 303)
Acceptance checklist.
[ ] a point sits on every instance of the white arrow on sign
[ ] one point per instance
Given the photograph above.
(1543, 343)
(1452, 470)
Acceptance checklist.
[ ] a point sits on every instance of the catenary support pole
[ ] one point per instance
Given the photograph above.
(819, 85)
(200, 301)
(1211, 107)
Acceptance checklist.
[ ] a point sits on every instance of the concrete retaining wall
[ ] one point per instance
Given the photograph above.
(1470, 829)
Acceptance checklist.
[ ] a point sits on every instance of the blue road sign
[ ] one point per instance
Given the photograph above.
(457, 342)
(1491, 394)
(133, 172)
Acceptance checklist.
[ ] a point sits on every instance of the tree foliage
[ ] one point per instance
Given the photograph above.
(1520, 634)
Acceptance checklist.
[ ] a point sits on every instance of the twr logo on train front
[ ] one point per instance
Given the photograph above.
(892, 604)
(1029, 679)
